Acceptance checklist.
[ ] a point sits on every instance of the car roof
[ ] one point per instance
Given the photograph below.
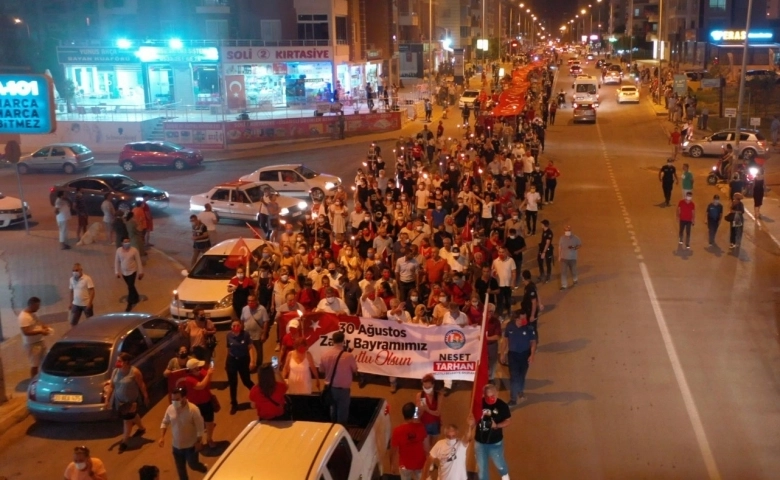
(470, 90)
(106, 328)
(225, 247)
(630, 87)
(274, 167)
(65, 144)
(146, 142)
(235, 184)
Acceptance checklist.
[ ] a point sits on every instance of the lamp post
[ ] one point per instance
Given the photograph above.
(19, 21)
(430, 48)
(741, 97)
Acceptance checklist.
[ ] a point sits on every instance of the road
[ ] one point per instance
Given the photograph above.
(661, 363)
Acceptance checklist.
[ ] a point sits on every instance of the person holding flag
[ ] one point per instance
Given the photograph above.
(489, 436)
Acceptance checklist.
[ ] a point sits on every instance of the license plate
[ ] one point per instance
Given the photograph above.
(67, 398)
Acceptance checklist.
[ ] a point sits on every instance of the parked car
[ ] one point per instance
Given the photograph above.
(158, 154)
(11, 211)
(584, 112)
(751, 144)
(58, 157)
(206, 284)
(627, 93)
(69, 387)
(296, 180)
(468, 98)
(124, 191)
(242, 201)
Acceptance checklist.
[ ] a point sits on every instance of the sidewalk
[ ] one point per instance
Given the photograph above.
(33, 265)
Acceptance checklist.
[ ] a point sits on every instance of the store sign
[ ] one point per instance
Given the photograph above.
(738, 35)
(27, 104)
(183, 55)
(71, 55)
(373, 54)
(196, 135)
(251, 55)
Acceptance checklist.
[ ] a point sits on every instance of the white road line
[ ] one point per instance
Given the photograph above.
(757, 222)
(671, 351)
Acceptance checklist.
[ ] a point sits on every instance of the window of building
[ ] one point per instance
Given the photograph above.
(718, 4)
(342, 35)
(312, 27)
(465, 32)
(216, 28)
(271, 30)
(113, 3)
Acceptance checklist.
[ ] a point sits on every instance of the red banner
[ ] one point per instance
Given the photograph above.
(236, 93)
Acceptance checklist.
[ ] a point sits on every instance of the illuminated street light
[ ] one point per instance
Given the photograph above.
(175, 43)
(124, 43)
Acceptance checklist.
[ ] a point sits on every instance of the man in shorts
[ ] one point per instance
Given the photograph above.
(33, 331)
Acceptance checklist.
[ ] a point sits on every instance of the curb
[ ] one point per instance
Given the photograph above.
(17, 412)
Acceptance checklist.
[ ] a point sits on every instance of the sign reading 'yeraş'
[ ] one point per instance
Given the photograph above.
(26, 104)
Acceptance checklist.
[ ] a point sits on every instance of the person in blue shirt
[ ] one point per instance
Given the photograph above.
(519, 354)
(714, 214)
(241, 358)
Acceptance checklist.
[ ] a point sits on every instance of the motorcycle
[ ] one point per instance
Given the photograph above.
(561, 100)
(746, 173)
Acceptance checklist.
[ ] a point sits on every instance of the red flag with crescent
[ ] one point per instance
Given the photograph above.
(316, 324)
(239, 255)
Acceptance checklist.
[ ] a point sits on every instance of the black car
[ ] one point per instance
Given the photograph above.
(124, 191)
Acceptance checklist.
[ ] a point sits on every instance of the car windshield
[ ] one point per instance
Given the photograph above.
(77, 359)
(79, 149)
(470, 93)
(173, 146)
(121, 182)
(586, 88)
(306, 172)
(256, 193)
(212, 267)
(615, 68)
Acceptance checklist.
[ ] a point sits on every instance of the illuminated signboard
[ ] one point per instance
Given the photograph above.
(26, 105)
(738, 35)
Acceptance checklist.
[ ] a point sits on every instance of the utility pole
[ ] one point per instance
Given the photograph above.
(430, 48)
(660, 31)
(741, 97)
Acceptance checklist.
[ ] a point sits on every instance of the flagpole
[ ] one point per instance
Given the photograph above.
(481, 346)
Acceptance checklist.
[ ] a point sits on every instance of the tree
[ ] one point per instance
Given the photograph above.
(68, 92)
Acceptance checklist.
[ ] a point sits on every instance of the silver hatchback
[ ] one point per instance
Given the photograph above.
(59, 157)
(69, 387)
(751, 144)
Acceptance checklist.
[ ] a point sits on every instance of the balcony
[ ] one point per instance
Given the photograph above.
(219, 7)
(411, 20)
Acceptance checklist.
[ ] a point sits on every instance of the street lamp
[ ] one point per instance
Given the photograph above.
(18, 21)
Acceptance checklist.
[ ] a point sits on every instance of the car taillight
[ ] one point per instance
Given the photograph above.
(32, 393)
(762, 144)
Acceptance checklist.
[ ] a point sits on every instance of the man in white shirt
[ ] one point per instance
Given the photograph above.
(407, 273)
(82, 295)
(210, 219)
(455, 317)
(316, 274)
(128, 266)
(256, 322)
(421, 195)
(452, 254)
(505, 271)
(33, 332)
(528, 164)
(188, 430)
(332, 303)
(450, 453)
(62, 208)
(371, 306)
(397, 312)
(368, 279)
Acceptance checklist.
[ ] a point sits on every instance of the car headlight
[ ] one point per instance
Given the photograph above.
(330, 185)
(284, 211)
(685, 143)
(197, 208)
(303, 205)
(227, 301)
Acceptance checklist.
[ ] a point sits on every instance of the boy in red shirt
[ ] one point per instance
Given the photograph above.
(686, 215)
(674, 140)
(408, 453)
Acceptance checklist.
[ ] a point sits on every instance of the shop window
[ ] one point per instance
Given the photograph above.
(718, 4)
(313, 27)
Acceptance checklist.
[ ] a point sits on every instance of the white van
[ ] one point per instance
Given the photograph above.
(586, 90)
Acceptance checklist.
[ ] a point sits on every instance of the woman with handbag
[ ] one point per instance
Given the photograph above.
(268, 396)
(198, 385)
(199, 332)
(299, 369)
(122, 394)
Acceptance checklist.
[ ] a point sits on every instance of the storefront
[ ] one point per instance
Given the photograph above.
(257, 77)
(148, 76)
(726, 48)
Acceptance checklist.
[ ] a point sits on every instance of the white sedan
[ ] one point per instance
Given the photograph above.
(627, 93)
(11, 211)
(296, 181)
(242, 201)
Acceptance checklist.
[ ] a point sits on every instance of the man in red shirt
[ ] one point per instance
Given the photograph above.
(686, 215)
(674, 140)
(408, 455)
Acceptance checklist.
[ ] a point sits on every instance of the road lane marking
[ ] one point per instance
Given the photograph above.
(679, 374)
(758, 222)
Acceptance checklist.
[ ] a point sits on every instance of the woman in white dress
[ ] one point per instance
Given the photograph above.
(299, 369)
(338, 217)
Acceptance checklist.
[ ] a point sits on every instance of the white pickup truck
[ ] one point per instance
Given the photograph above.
(310, 447)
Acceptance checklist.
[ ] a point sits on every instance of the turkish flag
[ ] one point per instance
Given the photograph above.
(481, 377)
(317, 323)
(236, 91)
(255, 231)
(239, 255)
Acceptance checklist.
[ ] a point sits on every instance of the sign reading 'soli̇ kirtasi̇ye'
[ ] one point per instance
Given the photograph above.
(26, 104)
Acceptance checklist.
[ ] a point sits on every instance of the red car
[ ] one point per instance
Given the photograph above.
(158, 154)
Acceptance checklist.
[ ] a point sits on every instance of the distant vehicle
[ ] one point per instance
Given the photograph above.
(158, 154)
(123, 190)
(69, 387)
(600, 63)
(751, 144)
(58, 157)
(584, 112)
(11, 212)
(468, 98)
(206, 284)
(323, 450)
(758, 75)
(612, 77)
(589, 57)
(242, 201)
(627, 93)
(695, 75)
(586, 90)
(575, 70)
(296, 180)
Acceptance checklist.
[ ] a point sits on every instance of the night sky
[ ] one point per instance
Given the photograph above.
(555, 11)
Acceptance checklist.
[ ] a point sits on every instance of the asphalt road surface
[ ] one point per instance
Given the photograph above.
(661, 363)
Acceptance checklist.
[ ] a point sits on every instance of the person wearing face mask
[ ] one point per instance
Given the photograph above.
(282, 287)
(686, 216)
(316, 274)
(531, 206)
(197, 381)
(299, 370)
(85, 467)
(568, 246)
(429, 403)
(489, 436)
(450, 453)
(241, 287)
(714, 215)
(177, 368)
(517, 349)
(128, 266)
(371, 306)
(332, 303)
(122, 393)
(198, 331)
(188, 428)
(288, 260)
(352, 262)
(82, 295)
(546, 249)
(241, 359)
(537, 181)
